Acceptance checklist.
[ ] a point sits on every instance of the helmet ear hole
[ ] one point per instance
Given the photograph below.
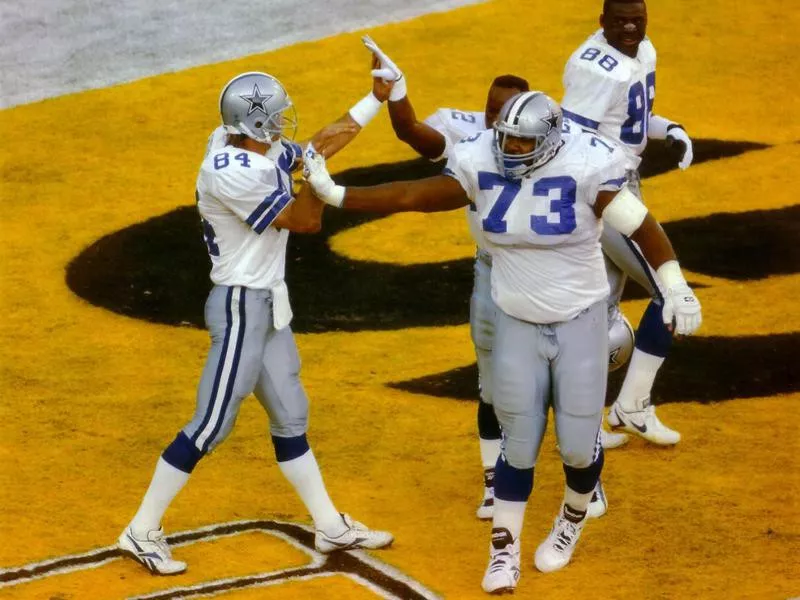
(259, 124)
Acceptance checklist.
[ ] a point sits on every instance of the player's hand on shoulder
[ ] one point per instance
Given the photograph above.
(680, 142)
(682, 306)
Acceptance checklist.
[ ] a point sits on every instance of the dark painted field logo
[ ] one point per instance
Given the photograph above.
(158, 271)
(383, 580)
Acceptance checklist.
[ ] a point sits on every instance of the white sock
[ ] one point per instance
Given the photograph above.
(510, 515)
(639, 380)
(303, 473)
(576, 501)
(166, 483)
(490, 452)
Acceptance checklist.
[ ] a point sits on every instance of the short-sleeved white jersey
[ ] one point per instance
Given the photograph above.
(611, 93)
(239, 196)
(456, 125)
(542, 232)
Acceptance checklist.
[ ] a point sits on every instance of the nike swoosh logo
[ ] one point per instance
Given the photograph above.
(641, 428)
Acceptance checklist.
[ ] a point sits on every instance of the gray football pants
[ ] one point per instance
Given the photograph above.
(562, 364)
(247, 355)
(624, 259)
(481, 322)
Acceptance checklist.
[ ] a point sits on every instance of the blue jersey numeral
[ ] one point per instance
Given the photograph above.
(471, 138)
(640, 105)
(564, 205)
(209, 235)
(222, 160)
(608, 62)
(596, 140)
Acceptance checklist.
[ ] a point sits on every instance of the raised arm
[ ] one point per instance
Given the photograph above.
(423, 138)
(303, 214)
(625, 212)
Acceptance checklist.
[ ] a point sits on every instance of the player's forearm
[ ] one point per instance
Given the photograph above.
(303, 215)
(386, 198)
(655, 244)
(332, 138)
(425, 140)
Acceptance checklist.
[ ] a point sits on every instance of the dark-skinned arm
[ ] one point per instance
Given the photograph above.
(423, 138)
(434, 194)
(303, 214)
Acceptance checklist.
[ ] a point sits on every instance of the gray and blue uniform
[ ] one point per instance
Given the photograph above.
(549, 284)
(239, 196)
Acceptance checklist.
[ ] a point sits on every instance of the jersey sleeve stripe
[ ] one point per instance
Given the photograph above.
(261, 208)
(580, 120)
(272, 213)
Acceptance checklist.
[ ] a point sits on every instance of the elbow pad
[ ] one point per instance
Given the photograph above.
(625, 212)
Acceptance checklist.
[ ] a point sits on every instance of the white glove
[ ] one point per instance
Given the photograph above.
(316, 174)
(681, 303)
(676, 135)
(388, 71)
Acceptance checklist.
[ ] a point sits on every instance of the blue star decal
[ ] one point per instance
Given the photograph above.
(256, 100)
(551, 121)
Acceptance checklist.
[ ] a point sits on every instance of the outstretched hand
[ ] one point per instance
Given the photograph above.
(380, 87)
(315, 172)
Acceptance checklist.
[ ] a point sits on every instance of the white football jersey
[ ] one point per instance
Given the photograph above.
(239, 195)
(542, 232)
(456, 125)
(611, 93)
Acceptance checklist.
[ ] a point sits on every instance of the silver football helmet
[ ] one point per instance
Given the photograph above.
(620, 341)
(257, 105)
(529, 115)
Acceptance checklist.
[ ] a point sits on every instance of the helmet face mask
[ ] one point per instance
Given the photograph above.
(257, 105)
(530, 116)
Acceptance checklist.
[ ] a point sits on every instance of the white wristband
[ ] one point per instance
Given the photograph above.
(670, 274)
(657, 127)
(399, 90)
(335, 197)
(365, 109)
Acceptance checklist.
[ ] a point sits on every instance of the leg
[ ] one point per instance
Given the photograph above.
(579, 372)
(282, 395)
(481, 319)
(521, 387)
(632, 410)
(237, 327)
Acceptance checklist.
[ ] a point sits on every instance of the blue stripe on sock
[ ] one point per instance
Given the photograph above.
(584, 480)
(510, 483)
(652, 336)
(288, 448)
(182, 453)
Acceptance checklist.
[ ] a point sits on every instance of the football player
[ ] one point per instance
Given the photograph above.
(610, 88)
(247, 206)
(434, 139)
(540, 199)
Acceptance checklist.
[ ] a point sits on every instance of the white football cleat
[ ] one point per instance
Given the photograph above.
(485, 511)
(611, 439)
(599, 503)
(357, 535)
(502, 574)
(152, 551)
(556, 550)
(642, 422)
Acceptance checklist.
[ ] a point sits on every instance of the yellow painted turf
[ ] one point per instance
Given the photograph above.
(91, 398)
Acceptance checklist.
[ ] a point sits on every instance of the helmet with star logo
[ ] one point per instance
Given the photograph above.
(531, 116)
(257, 105)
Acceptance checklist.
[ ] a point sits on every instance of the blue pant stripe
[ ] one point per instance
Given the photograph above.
(645, 268)
(220, 366)
(237, 354)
